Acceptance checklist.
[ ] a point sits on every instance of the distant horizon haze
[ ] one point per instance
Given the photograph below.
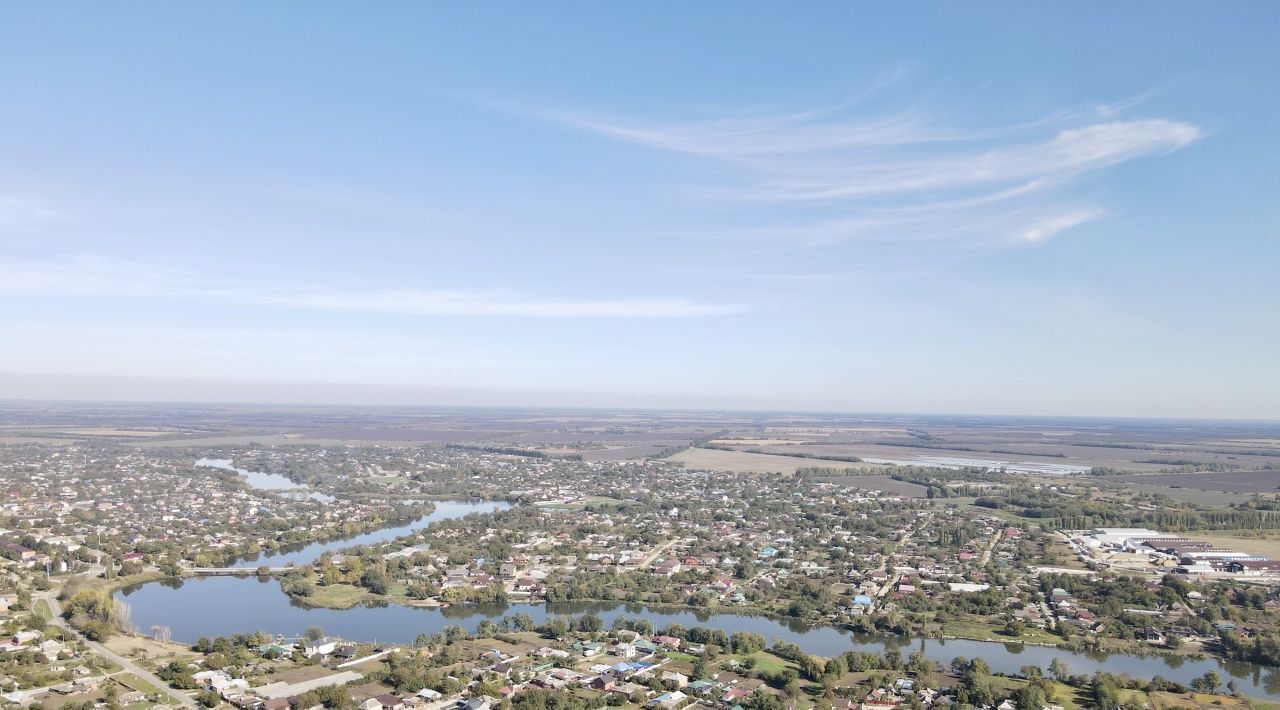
(160, 391)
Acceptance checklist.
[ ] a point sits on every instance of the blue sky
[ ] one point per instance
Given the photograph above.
(989, 208)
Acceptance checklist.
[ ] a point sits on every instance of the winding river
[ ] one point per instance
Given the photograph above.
(218, 606)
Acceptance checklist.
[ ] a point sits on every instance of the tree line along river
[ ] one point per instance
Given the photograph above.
(220, 606)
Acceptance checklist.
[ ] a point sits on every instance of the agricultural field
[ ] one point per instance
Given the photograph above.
(747, 462)
(1263, 542)
(883, 484)
(1225, 481)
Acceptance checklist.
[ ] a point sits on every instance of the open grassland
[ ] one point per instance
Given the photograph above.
(746, 462)
(978, 630)
(117, 433)
(133, 682)
(1226, 482)
(883, 484)
(145, 648)
(1258, 542)
(1195, 496)
(19, 439)
(336, 596)
(1003, 514)
(264, 439)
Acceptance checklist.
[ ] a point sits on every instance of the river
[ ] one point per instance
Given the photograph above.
(228, 605)
(217, 606)
(266, 481)
(445, 510)
(299, 555)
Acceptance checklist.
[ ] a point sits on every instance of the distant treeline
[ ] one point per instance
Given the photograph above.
(1194, 467)
(804, 455)
(1184, 466)
(512, 451)
(827, 472)
(956, 447)
(1075, 514)
(937, 482)
(701, 443)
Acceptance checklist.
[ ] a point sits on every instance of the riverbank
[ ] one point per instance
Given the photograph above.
(276, 551)
(230, 605)
(345, 597)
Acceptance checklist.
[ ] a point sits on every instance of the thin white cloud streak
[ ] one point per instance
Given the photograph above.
(793, 160)
(89, 276)
(743, 139)
(820, 179)
(1069, 153)
(1048, 227)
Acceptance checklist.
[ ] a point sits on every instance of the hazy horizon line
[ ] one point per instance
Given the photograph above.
(629, 408)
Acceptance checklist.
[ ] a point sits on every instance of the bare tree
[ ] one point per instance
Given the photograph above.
(161, 633)
(123, 617)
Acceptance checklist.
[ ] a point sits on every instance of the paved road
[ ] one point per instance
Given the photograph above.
(128, 665)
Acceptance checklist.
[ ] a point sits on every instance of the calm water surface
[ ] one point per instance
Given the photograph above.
(223, 605)
(266, 481)
(217, 606)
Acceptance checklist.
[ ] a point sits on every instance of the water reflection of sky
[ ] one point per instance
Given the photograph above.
(228, 605)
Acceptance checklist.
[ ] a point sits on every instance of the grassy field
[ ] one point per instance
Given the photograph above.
(1266, 542)
(245, 439)
(1195, 496)
(1066, 558)
(1224, 481)
(336, 596)
(880, 483)
(143, 648)
(1006, 515)
(982, 631)
(768, 662)
(133, 682)
(745, 462)
(17, 440)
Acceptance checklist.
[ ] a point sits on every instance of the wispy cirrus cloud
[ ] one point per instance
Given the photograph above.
(1050, 226)
(94, 276)
(886, 186)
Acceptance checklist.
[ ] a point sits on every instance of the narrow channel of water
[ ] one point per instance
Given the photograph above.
(299, 555)
(267, 481)
(445, 510)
